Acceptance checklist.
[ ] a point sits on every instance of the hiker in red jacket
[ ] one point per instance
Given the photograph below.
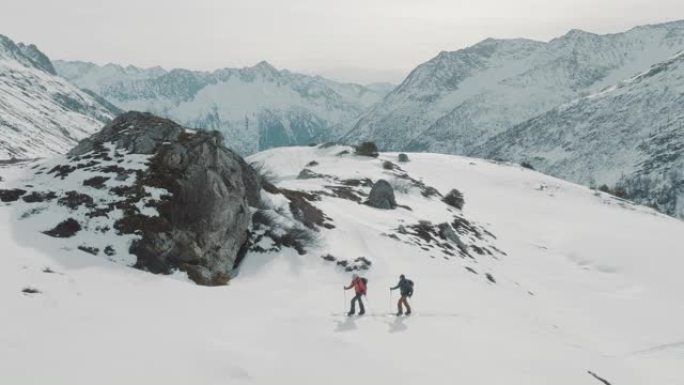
(359, 285)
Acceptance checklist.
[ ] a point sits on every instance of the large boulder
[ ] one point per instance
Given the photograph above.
(382, 196)
(203, 221)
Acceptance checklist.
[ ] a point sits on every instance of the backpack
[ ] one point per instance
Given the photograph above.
(409, 283)
(365, 284)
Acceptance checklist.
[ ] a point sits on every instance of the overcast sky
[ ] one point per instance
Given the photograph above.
(354, 40)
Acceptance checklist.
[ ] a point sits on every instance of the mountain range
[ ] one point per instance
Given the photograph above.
(255, 108)
(40, 112)
(595, 109)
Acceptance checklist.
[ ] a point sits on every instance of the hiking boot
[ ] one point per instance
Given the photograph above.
(399, 313)
(362, 312)
(351, 313)
(408, 313)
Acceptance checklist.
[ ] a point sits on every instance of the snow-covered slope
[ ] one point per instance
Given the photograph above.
(255, 108)
(459, 99)
(40, 112)
(581, 282)
(630, 135)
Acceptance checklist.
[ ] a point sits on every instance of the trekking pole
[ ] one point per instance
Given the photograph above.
(344, 306)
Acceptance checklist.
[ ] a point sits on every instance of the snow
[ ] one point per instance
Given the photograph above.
(588, 283)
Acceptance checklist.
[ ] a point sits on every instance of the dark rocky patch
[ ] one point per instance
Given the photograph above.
(470, 269)
(328, 258)
(100, 212)
(308, 174)
(313, 163)
(97, 182)
(11, 195)
(30, 290)
(62, 170)
(365, 182)
(403, 158)
(74, 199)
(343, 152)
(343, 192)
(109, 251)
(302, 210)
(36, 197)
(490, 278)
(89, 249)
(65, 229)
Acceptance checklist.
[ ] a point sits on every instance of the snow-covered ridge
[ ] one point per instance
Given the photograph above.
(41, 113)
(255, 107)
(588, 283)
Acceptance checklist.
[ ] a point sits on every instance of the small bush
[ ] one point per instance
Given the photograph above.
(403, 158)
(65, 229)
(455, 199)
(30, 290)
(527, 165)
(367, 149)
(387, 165)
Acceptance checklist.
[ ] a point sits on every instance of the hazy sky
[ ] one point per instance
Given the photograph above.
(355, 40)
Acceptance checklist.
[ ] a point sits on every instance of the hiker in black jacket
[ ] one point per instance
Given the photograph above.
(405, 287)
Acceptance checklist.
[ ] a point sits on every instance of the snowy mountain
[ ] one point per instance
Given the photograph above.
(40, 112)
(458, 100)
(630, 135)
(255, 108)
(544, 280)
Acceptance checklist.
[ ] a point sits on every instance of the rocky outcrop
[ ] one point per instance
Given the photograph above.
(382, 196)
(203, 219)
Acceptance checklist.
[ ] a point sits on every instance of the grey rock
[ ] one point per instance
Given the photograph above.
(448, 233)
(202, 225)
(382, 196)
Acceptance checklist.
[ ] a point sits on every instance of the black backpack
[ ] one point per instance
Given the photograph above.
(409, 285)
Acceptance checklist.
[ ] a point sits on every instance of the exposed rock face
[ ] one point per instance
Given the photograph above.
(202, 224)
(382, 196)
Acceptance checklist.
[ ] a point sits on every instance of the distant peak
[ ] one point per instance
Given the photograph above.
(577, 33)
(264, 66)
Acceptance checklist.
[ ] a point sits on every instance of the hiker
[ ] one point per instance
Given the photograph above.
(405, 287)
(359, 286)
